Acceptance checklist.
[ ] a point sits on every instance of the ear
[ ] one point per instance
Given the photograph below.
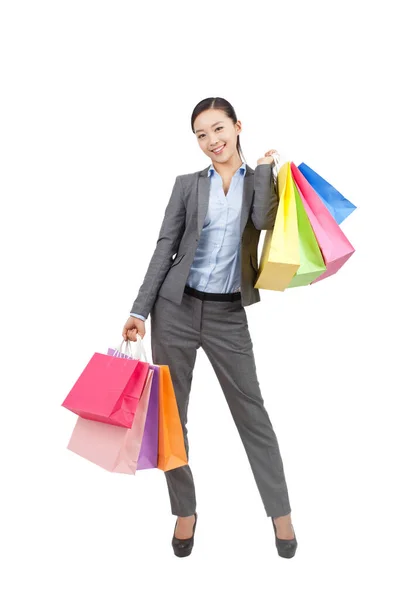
(238, 126)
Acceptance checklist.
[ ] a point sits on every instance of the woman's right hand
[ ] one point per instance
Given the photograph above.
(132, 327)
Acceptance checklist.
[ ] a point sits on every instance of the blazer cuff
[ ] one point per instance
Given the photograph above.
(269, 166)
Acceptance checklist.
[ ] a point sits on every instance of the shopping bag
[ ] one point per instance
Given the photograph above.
(280, 257)
(336, 203)
(111, 447)
(312, 263)
(108, 390)
(335, 247)
(148, 456)
(171, 444)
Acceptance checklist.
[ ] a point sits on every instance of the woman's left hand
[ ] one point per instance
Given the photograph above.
(267, 158)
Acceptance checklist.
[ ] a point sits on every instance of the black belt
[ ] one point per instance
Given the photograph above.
(211, 296)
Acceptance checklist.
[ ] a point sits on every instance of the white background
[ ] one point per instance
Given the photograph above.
(95, 125)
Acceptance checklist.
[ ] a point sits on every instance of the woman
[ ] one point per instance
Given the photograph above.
(213, 222)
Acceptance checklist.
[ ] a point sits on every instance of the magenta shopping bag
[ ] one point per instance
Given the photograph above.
(148, 456)
(334, 245)
(108, 390)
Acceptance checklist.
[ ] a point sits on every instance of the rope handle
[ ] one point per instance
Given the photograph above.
(139, 349)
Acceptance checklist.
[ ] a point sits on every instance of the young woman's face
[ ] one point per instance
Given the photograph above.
(214, 129)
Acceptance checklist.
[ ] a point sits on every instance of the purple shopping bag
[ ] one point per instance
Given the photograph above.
(148, 455)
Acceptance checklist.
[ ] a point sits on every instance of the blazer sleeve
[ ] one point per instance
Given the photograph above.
(265, 204)
(169, 237)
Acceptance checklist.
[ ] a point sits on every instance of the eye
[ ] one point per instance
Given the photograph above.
(219, 127)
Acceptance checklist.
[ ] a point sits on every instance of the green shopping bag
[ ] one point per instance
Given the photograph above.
(312, 264)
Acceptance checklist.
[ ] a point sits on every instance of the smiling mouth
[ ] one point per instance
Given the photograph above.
(220, 149)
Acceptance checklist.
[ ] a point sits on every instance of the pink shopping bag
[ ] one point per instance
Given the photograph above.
(113, 448)
(335, 247)
(108, 390)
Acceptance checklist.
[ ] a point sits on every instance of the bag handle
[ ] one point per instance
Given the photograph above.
(139, 349)
(118, 351)
(277, 166)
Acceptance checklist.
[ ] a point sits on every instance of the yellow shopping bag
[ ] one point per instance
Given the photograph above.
(280, 257)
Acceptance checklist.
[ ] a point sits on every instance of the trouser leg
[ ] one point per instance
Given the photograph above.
(226, 340)
(174, 342)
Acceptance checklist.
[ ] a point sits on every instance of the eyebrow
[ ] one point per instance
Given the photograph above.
(197, 130)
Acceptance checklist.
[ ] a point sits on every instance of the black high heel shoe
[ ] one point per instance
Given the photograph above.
(286, 548)
(184, 547)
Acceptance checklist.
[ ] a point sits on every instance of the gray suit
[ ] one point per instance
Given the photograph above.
(181, 324)
(181, 228)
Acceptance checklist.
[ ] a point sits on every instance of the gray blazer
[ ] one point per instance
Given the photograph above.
(181, 229)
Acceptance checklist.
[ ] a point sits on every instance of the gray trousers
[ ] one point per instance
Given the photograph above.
(221, 329)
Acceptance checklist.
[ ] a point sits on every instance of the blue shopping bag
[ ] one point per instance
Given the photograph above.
(335, 202)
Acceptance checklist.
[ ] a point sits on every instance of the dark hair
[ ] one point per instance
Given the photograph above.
(221, 104)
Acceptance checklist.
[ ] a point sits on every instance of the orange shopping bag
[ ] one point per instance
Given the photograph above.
(171, 445)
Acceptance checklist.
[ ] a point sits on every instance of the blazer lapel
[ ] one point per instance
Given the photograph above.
(203, 196)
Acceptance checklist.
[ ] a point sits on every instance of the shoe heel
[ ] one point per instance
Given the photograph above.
(184, 548)
(286, 548)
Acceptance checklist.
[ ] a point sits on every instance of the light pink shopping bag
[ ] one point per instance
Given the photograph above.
(112, 447)
(335, 247)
